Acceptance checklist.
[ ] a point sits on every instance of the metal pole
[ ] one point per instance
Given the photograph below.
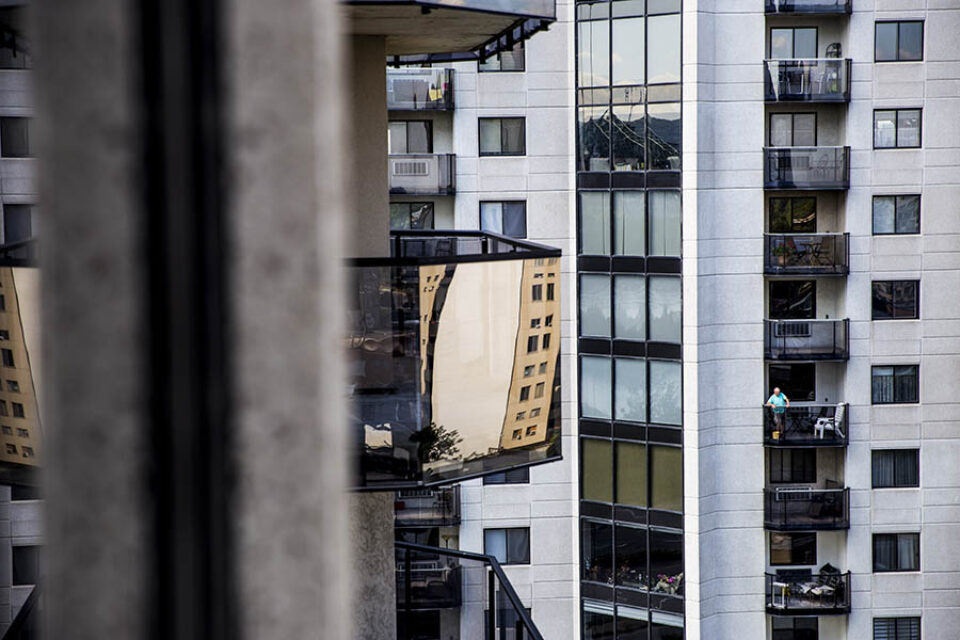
(407, 599)
(492, 611)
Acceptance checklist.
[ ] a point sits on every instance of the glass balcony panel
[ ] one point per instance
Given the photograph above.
(422, 174)
(814, 254)
(440, 340)
(808, 80)
(805, 509)
(806, 339)
(810, 7)
(807, 425)
(420, 89)
(826, 168)
(801, 592)
(427, 507)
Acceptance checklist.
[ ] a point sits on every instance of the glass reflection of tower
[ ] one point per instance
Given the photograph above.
(19, 408)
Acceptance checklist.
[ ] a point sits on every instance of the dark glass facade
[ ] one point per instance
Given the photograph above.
(629, 149)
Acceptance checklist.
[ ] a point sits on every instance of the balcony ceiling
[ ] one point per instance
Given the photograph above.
(442, 26)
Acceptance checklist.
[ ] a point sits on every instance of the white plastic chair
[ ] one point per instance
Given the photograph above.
(834, 423)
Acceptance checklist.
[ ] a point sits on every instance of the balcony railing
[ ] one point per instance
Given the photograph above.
(809, 7)
(453, 345)
(803, 509)
(825, 254)
(423, 174)
(427, 507)
(808, 80)
(808, 168)
(807, 425)
(805, 593)
(807, 339)
(429, 89)
(435, 578)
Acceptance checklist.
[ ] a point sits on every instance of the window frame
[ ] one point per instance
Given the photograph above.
(793, 128)
(30, 151)
(502, 154)
(793, 40)
(893, 285)
(875, 453)
(896, 631)
(896, 128)
(410, 206)
(896, 208)
(899, 23)
(406, 122)
(508, 560)
(521, 203)
(518, 475)
(520, 46)
(896, 536)
(792, 561)
(874, 401)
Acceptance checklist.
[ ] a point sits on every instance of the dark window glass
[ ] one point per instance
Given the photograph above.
(896, 214)
(26, 565)
(895, 384)
(15, 137)
(419, 624)
(628, 124)
(597, 552)
(899, 41)
(524, 393)
(594, 143)
(537, 292)
(3, 303)
(793, 215)
(408, 215)
(666, 478)
(664, 136)
(598, 626)
(631, 473)
(896, 629)
(793, 42)
(507, 218)
(551, 289)
(632, 623)
(896, 128)
(793, 299)
(502, 137)
(793, 548)
(20, 492)
(896, 468)
(410, 136)
(17, 410)
(595, 473)
(13, 44)
(532, 343)
(631, 557)
(793, 129)
(512, 60)
(17, 222)
(667, 631)
(666, 562)
(797, 381)
(508, 546)
(896, 552)
(896, 299)
(506, 619)
(793, 465)
(7, 356)
(794, 628)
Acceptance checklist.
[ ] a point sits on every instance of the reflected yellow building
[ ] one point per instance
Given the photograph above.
(19, 336)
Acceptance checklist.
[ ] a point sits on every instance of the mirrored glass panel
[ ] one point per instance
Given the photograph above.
(631, 389)
(596, 387)
(593, 54)
(665, 396)
(595, 222)
(663, 49)
(595, 305)
(629, 223)
(665, 307)
(630, 312)
(628, 39)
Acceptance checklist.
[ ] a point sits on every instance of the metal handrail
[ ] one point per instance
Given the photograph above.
(491, 245)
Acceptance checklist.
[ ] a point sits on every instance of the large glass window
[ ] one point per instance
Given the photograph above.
(508, 218)
(26, 565)
(628, 38)
(631, 473)
(896, 128)
(793, 299)
(899, 41)
(664, 223)
(595, 387)
(793, 129)
(664, 136)
(597, 551)
(895, 384)
(896, 628)
(794, 628)
(403, 215)
(793, 215)
(631, 556)
(666, 626)
(798, 381)
(597, 460)
(666, 562)
(629, 223)
(663, 49)
(666, 476)
(896, 299)
(896, 214)
(631, 389)
(410, 136)
(595, 305)
(595, 223)
(503, 137)
(665, 404)
(896, 552)
(510, 60)
(793, 465)
(594, 143)
(665, 307)
(14, 46)
(508, 546)
(793, 42)
(631, 623)
(896, 468)
(598, 626)
(793, 548)
(18, 222)
(593, 53)
(628, 137)
(630, 312)
(15, 138)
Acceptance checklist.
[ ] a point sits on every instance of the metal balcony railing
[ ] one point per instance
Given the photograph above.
(453, 345)
(427, 507)
(807, 80)
(423, 174)
(807, 339)
(805, 509)
(807, 425)
(825, 254)
(419, 89)
(435, 578)
(809, 7)
(807, 168)
(799, 592)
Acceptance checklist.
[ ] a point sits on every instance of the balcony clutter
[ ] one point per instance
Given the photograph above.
(800, 590)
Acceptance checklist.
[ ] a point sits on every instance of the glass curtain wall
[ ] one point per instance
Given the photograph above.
(629, 151)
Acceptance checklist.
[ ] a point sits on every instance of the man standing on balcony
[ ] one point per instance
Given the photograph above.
(779, 403)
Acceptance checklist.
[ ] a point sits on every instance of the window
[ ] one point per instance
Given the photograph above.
(629, 223)
(896, 299)
(3, 303)
(528, 371)
(17, 410)
(595, 387)
(508, 546)
(512, 60)
(793, 299)
(793, 215)
(597, 551)
(548, 321)
(663, 48)
(508, 218)
(535, 323)
(28, 452)
(664, 223)
(20, 493)
(517, 434)
(537, 292)
(551, 288)
(513, 476)
(896, 468)
(26, 565)
(12, 449)
(506, 624)
(631, 556)
(3, 408)
(15, 138)
(631, 473)
(630, 312)
(411, 215)
(7, 431)
(521, 415)
(794, 628)
(665, 303)
(793, 129)
(532, 343)
(797, 381)
(631, 389)
(4, 334)
(663, 136)
(531, 430)
(896, 552)
(596, 477)
(895, 384)
(503, 137)
(896, 629)
(896, 129)
(899, 41)
(793, 548)
(534, 412)
(7, 356)
(543, 368)
(13, 45)
(896, 214)
(524, 393)
(17, 222)
(13, 386)
(538, 390)
(22, 433)
(666, 478)
(410, 136)
(627, 51)
(595, 223)
(665, 384)
(793, 465)
(795, 42)
(595, 305)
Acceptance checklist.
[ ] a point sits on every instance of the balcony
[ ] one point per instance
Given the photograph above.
(806, 339)
(801, 592)
(817, 254)
(806, 509)
(428, 507)
(453, 347)
(420, 89)
(435, 581)
(807, 425)
(423, 174)
(807, 168)
(808, 80)
(810, 7)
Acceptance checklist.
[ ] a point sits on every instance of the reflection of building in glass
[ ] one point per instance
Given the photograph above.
(19, 410)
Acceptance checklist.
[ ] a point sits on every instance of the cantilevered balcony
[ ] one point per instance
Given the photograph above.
(808, 80)
(428, 174)
(428, 580)
(807, 168)
(420, 89)
(817, 254)
(801, 592)
(806, 339)
(810, 7)
(453, 346)
(807, 425)
(438, 507)
(806, 509)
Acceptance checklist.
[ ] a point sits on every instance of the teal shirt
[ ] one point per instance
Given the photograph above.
(779, 402)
